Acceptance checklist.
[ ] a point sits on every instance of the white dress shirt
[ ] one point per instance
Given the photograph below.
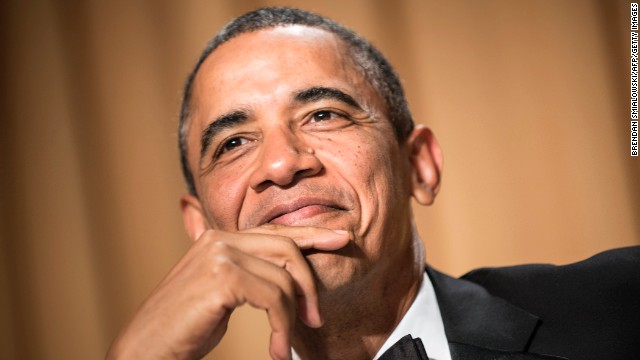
(422, 320)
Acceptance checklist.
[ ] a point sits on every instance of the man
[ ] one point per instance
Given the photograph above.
(301, 158)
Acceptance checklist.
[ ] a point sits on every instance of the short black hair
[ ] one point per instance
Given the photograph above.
(373, 65)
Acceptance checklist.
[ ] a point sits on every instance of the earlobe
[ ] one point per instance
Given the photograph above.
(426, 160)
(195, 223)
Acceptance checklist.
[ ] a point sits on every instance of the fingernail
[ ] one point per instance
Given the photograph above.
(341, 232)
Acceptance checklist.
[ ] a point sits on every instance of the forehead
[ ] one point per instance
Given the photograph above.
(288, 45)
(273, 61)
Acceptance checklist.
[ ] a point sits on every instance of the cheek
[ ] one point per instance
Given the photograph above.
(366, 163)
(352, 160)
(365, 159)
(224, 194)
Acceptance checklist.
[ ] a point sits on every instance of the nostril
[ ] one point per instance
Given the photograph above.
(300, 173)
(292, 181)
(263, 186)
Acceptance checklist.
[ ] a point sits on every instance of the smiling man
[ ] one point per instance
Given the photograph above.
(301, 159)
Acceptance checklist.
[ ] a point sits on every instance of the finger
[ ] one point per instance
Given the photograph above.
(284, 253)
(276, 350)
(264, 270)
(280, 251)
(307, 237)
(262, 294)
(281, 315)
(326, 241)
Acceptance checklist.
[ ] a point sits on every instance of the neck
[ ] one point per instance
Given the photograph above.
(359, 318)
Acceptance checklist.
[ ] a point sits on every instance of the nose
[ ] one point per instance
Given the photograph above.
(284, 159)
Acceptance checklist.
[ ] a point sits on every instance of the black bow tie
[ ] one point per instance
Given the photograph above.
(406, 348)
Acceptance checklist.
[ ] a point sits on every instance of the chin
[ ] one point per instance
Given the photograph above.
(333, 270)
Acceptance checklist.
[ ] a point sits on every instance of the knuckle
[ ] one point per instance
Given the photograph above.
(223, 298)
(273, 227)
(222, 264)
(290, 246)
(287, 282)
(211, 233)
(276, 294)
(218, 300)
(289, 266)
(219, 246)
(218, 249)
(286, 275)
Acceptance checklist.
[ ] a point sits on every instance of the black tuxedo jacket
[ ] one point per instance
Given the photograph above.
(586, 310)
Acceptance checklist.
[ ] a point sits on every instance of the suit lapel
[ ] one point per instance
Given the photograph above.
(479, 325)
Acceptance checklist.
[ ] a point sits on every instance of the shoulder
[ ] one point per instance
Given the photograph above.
(611, 269)
(591, 302)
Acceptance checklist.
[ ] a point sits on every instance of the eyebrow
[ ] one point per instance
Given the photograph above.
(318, 93)
(218, 125)
(238, 117)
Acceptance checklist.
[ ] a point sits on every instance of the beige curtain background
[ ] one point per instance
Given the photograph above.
(529, 101)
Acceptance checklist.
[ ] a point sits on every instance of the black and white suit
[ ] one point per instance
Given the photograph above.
(586, 310)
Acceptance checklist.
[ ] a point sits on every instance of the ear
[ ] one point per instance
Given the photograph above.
(195, 222)
(426, 161)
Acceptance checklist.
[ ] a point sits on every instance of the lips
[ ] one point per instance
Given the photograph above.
(299, 210)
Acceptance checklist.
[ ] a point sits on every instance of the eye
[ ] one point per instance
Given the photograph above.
(328, 119)
(231, 144)
(323, 115)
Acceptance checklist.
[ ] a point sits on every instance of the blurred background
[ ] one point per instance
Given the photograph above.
(529, 101)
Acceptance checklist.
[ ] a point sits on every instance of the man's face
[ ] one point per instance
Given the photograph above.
(293, 134)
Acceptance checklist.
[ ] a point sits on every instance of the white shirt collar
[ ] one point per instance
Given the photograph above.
(422, 320)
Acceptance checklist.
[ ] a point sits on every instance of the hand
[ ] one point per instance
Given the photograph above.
(187, 314)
